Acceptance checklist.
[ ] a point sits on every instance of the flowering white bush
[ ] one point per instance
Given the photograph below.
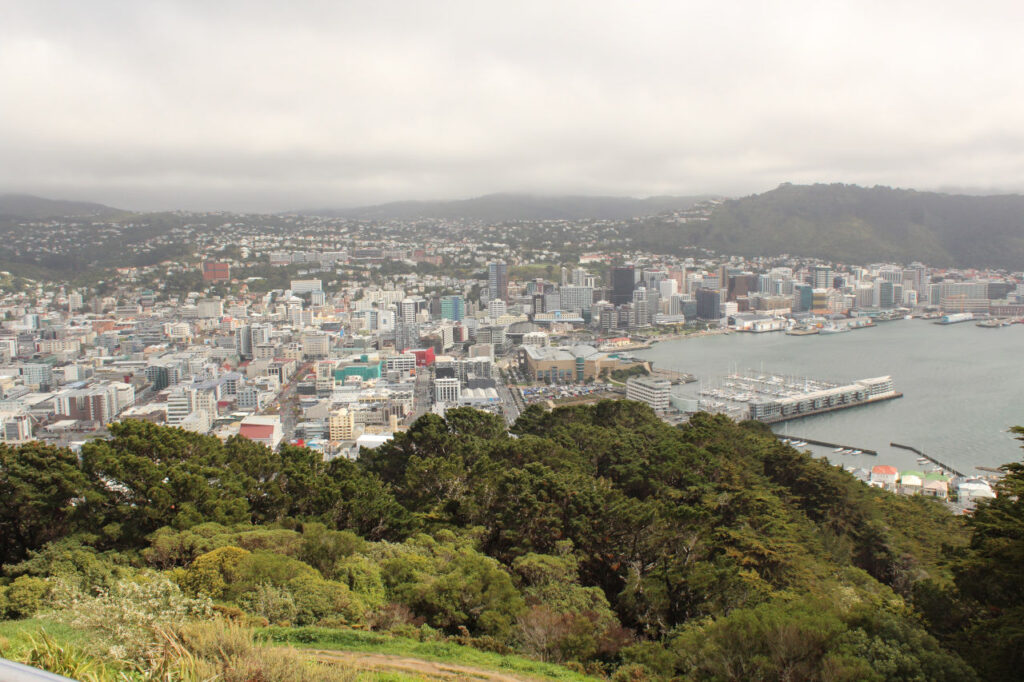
(129, 614)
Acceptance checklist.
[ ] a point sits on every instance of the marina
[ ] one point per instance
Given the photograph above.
(960, 415)
(773, 398)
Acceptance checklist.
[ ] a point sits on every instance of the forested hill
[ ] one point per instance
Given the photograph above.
(26, 206)
(851, 224)
(596, 536)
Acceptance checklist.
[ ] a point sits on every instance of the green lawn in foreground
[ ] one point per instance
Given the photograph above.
(17, 633)
(79, 647)
(444, 652)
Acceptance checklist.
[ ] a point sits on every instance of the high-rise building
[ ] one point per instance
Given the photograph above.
(407, 311)
(497, 281)
(651, 278)
(342, 424)
(623, 284)
(453, 308)
(821, 277)
(885, 293)
(496, 308)
(579, 298)
(738, 286)
(582, 278)
(709, 304)
(803, 298)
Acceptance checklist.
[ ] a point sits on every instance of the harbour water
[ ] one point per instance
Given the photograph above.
(963, 386)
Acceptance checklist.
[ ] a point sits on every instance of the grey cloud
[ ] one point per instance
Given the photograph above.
(263, 106)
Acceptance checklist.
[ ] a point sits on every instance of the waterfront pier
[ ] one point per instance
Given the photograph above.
(929, 458)
(811, 441)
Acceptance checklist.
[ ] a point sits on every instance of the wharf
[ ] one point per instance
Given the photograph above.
(811, 441)
(929, 458)
(831, 408)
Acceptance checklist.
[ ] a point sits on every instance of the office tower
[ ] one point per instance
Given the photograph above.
(885, 293)
(453, 308)
(497, 281)
(579, 298)
(623, 284)
(803, 298)
(709, 304)
(496, 308)
(821, 277)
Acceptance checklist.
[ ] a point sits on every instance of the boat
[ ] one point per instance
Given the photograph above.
(798, 443)
(802, 331)
(990, 324)
(856, 452)
(833, 329)
(923, 460)
(839, 449)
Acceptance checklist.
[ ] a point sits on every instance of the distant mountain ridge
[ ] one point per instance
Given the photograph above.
(27, 206)
(853, 224)
(506, 207)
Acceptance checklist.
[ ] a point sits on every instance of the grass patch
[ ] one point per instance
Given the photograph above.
(58, 648)
(439, 651)
(18, 632)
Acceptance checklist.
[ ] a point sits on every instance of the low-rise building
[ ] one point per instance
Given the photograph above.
(653, 391)
(265, 429)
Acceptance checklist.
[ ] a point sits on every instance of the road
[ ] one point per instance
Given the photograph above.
(421, 398)
(286, 403)
(509, 403)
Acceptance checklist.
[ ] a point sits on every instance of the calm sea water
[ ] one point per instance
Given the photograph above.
(963, 386)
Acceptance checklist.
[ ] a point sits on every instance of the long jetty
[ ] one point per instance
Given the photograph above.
(811, 441)
(929, 458)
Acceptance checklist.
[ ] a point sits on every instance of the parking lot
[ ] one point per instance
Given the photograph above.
(567, 392)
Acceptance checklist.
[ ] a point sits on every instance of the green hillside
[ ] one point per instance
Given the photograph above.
(594, 537)
(851, 224)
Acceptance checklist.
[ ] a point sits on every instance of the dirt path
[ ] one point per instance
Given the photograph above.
(417, 666)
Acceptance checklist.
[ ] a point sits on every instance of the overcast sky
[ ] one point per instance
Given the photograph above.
(273, 105)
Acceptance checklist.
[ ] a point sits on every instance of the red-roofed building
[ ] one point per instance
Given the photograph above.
(264, 429)
(884, 476)
(216, 272)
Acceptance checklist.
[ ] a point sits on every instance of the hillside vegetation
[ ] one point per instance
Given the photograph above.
(596, 537)
(851, 224)
(33, 207)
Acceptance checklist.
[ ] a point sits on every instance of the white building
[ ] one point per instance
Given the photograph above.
(496, 308)
(305, 286)
(654, 392)
(15, 427)
(315, 345)
(447, 390)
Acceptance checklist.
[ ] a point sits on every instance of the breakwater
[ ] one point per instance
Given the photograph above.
(927, 457)
(811, 441)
